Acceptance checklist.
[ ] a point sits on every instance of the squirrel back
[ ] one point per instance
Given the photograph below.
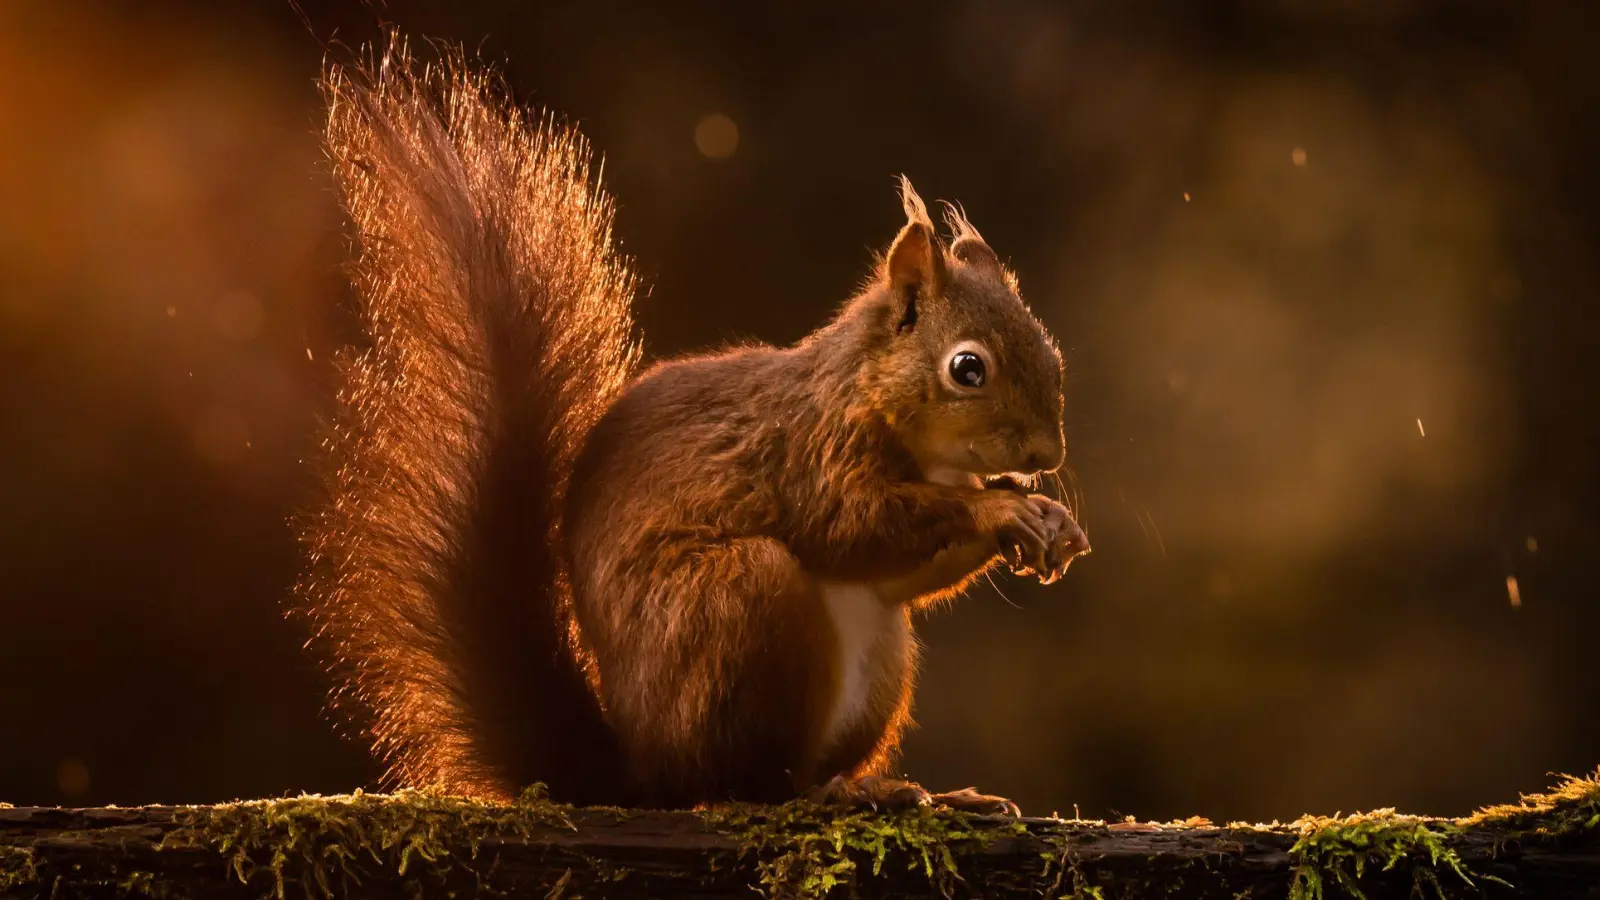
(497, 319)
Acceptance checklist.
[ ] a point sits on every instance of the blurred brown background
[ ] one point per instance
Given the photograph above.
(1322, 270)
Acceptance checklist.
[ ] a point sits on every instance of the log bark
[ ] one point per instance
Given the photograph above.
(171, 852)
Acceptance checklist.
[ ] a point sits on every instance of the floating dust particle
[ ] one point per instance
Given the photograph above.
(716, 136)
(309, 356)
(1420, 429)
(1533, 544)
(1299, 156)
(172, 312)
(1186, 196)
(1514, 592)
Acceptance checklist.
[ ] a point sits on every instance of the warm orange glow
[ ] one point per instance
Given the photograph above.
(171, 307)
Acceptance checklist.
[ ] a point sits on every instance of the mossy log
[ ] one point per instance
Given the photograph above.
(422, 845)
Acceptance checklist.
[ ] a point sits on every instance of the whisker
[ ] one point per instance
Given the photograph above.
(990, 576)
(1075, 503)
(1138, 516)
(1160, 541)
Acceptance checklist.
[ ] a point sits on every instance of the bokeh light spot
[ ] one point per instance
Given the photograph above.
(716, 136)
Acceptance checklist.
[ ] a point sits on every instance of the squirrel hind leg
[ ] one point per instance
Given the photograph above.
(719, 681)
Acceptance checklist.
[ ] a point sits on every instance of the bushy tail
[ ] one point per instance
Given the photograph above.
(498, 327)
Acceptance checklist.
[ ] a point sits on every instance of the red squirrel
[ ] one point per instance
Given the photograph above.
(691, 584)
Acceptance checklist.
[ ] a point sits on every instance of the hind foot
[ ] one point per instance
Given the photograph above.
(891, 794)
(969, 800)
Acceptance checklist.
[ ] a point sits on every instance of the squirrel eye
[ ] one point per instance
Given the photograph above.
(967, 370)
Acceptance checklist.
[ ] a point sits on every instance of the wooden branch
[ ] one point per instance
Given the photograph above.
(418, 845)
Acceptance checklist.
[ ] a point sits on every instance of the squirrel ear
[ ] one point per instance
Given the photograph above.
(968, 245)
(974, 252)
(914, 265)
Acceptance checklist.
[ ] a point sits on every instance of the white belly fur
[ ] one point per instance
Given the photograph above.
(861, 621)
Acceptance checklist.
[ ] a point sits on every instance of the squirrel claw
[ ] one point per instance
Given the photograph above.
(1012, 555)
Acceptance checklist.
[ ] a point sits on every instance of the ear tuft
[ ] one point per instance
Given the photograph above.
(916, 210)
(955, 219)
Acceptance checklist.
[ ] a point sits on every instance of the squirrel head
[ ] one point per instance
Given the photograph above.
(963, 372)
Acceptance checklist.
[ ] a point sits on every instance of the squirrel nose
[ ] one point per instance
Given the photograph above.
(1045, 455)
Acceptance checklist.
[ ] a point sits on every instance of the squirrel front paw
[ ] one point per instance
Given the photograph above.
(1018, 526)
(1067, 540)
(1035, 534)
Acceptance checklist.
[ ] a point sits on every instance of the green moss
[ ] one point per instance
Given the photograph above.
(146, 884)
(18, 867)
(1571, 807)
(806, 850)
(1341, 851)
(141, 883)
(324, 844)
(320, 847)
